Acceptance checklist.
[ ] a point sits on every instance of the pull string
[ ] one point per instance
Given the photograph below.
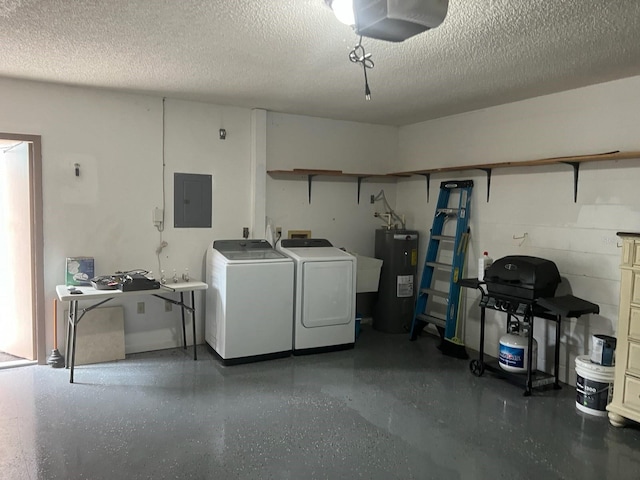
(358, 55)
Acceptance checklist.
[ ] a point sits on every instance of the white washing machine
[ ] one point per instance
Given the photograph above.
(325, 295)
(249, 305)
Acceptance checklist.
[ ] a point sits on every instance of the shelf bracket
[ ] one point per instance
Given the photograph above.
(359, 184)
(309, 177)
(427, 176)
(488, 172)
(576, 171)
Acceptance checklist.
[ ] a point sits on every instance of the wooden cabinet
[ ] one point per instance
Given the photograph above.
(626, 391)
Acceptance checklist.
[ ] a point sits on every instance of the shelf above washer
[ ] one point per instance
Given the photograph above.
(311, 173)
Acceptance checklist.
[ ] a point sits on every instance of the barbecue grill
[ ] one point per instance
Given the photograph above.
(524, 287)
(516, 282)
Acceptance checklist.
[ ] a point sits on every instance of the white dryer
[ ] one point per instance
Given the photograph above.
(249, 305)
(325, 295)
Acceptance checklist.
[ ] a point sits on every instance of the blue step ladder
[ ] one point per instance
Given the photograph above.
(438, 271)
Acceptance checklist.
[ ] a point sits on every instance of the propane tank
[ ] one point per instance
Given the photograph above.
(513, 353)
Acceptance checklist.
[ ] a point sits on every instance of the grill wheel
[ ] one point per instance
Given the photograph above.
(476, 368)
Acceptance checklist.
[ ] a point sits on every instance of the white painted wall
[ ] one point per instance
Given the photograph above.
(106, 212)
(295, 141)
(117, 140)
(538, 201)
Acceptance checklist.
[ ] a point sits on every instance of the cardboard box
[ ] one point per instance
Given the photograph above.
(100, 336)
(79, 271)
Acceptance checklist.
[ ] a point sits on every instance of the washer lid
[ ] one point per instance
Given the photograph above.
(248, 249)
(241, 245)
(253, 255)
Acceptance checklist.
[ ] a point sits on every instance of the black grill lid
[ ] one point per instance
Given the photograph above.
(512, 274)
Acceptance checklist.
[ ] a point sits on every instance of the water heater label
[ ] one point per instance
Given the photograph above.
(405, 286)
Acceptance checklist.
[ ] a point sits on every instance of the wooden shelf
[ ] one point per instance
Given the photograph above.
(310, 173)
(597, 157)
(573, 161)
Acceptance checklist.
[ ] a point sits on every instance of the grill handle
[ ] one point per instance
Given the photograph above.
(497, 279)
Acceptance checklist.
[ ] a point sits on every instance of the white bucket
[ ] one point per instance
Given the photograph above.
(594, 386)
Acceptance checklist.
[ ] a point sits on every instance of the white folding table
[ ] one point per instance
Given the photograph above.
(102, 296)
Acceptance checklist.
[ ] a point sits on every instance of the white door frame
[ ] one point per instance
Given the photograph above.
(37, 240)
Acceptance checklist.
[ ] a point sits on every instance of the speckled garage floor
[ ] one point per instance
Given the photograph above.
(389, 409)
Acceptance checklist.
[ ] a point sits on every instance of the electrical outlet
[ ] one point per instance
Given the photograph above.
(168, 306)
(279, 231)
(373, 199)
(140, 307)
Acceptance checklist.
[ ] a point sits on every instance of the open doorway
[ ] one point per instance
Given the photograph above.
(22, 327)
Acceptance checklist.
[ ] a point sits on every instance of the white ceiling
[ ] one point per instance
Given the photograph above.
(292, 55)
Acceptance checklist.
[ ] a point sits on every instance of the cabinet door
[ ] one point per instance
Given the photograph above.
(631, 393)
(636, 253)
(633, 358)
(634, 324)
(627, 251)
(635, 288)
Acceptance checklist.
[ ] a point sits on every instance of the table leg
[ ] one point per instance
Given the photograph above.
(67, 344)
(193, 323)
(74, 307)
(184, 331)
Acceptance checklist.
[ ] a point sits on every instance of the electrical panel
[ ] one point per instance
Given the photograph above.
(192, 199)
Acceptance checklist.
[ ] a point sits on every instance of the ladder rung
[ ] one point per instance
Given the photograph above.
(448, 238)
(438, 293)
(456, 184)
(440, 265)
(448, 211)
(438, 322)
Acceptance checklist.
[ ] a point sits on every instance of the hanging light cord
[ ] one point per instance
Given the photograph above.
(358, 55)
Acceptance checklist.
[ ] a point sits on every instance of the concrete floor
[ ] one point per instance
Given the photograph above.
(389, 409)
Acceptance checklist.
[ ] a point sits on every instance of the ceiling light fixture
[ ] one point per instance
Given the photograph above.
(390, 20)
(343, 10)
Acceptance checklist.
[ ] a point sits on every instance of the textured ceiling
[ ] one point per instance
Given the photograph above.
(292, 55)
